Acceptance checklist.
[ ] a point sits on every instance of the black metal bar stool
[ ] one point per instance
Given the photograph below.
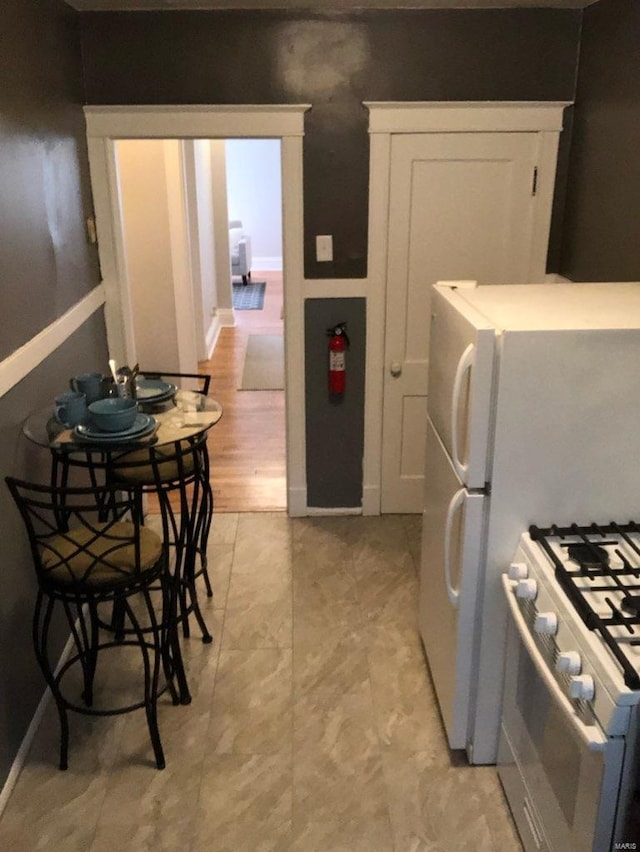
(89, 553)
(177, 473)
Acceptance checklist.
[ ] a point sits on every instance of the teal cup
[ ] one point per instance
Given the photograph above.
(71, 408)
(90, 384)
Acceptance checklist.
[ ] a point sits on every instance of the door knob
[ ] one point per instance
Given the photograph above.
(396, 369)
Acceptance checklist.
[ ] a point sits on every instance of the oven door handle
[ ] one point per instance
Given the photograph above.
(591, 735)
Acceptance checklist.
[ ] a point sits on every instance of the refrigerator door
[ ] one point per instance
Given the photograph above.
(452, 535)
(460, 382)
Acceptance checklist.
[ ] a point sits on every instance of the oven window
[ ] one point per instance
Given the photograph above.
(557, 751)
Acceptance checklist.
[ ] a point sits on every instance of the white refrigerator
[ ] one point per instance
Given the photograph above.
(533, 417)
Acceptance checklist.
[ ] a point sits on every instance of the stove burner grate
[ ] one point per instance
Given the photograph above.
(593, 561)
(588, 555)
(631, 604)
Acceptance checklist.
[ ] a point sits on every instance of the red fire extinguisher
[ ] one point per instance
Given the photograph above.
(338, 345)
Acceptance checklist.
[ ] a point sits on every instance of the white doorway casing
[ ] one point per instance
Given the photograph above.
(388, 121)
(106, 125)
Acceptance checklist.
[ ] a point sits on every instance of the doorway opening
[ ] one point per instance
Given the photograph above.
(178, 199)
(107, 124)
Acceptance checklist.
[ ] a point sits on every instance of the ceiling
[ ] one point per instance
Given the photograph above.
(334, 5)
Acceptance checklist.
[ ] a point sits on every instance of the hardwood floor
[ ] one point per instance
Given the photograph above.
(247, 446)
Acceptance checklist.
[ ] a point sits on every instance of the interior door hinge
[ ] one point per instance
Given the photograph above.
(534, 185)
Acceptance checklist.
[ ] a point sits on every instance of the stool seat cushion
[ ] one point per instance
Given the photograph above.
(137, 469)
(99, 556)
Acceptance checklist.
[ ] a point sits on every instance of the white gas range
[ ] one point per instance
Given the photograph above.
(568, 754)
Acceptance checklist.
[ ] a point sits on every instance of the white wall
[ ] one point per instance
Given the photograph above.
(147, 240)
(221, 223)
(157, 254)
(203, 254)
(254, 195)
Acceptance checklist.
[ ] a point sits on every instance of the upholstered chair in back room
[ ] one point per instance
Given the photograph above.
(240, 251)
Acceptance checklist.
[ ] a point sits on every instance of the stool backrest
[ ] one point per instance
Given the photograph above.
(84, 537)
(203, 380)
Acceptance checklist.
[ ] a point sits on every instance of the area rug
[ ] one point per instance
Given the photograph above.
(249, 297)
(263, 363)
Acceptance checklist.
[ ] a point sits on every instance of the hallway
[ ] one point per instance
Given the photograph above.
(247, 446)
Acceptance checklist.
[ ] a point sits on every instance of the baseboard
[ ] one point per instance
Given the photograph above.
(330, 511)
(556, 278)
(297, 502)
(226, 317)
(265, 264)
(211, 337)
(223, 318)
(371, 500)
(25, 745)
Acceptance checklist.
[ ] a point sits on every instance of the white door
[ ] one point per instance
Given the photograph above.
(452, 524)
(461, 206)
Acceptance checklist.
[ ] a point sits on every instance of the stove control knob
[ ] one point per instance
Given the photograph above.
(546, 623)
(518, 571)
(527, 589)
(569, 662)
(581, 687)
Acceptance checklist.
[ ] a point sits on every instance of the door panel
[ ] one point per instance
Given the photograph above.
(452, 526)
(414, 416)
(460, 207)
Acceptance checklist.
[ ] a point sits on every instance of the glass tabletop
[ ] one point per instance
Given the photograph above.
(189, 416)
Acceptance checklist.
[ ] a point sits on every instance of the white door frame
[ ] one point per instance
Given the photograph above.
(105, 125)
(388, 118)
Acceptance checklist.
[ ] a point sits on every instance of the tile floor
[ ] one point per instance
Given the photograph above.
(313, 725)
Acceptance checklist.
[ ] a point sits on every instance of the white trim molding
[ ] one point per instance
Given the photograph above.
(196, 121)
(106, 125)
(223, 318)
(320, 512)
(387, 119)
(226, 317)
(464, 116)
(20, 363)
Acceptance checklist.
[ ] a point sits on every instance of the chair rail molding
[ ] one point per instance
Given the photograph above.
(105, 126)
(26, 358)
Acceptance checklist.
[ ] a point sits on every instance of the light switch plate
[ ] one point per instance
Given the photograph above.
(324, 247)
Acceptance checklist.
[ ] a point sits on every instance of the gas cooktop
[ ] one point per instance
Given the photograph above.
(598, 568)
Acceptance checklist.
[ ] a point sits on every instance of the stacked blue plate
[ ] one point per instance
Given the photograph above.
(154, 390)
(143, 425)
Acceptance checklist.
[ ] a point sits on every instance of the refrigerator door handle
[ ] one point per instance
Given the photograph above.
(454, 506)
(464, 364)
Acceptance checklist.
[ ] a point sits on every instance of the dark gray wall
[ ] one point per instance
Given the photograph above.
(334, 61)
(601, 235)
(335, 438)
(46, 266)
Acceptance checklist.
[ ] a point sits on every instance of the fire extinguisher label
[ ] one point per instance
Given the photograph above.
(336, 361)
